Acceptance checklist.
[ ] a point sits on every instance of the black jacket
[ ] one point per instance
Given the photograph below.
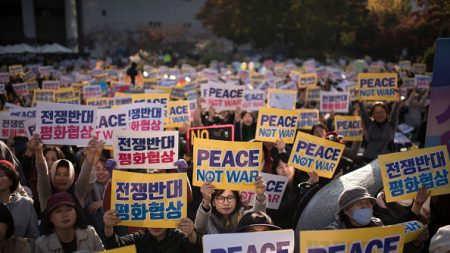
(174, 242)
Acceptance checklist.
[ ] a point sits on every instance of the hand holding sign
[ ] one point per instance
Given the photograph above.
(94, 150)
(110, 220)
(260, 188)
(207, 190)
(36, 143)
(187, 227)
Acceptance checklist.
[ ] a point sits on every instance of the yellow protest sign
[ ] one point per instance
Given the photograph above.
(166, 90)
(358, 240)
(404, 173)
(126, 249)
(412, 230)
(313, 153)
(377, 86)
(100, 102)
(313, 93)
(307, 118)
(149, 200)
(307, 79)
(64, 93)
(149, 98)
(227, 165)
(15, 70)
(179, 114)
(43, 96)
(274, 124)
(72, 100)
(350, 127)
(419, 68)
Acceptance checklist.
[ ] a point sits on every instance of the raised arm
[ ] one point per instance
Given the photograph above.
(395, 115)
(43, 180)
(364, 114)
(94, 151)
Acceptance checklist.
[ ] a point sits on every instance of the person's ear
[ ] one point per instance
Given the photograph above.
(348, 212)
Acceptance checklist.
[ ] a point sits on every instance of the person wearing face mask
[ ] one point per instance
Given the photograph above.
(355, 210)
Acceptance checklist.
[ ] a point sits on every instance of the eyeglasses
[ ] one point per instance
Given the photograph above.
(221, 199)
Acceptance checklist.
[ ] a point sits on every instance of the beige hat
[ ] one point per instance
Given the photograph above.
(440, 243)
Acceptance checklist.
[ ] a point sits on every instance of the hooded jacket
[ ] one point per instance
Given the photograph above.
(25, 218)
(46, 181)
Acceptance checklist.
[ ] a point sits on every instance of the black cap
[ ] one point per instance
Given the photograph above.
(256, 219)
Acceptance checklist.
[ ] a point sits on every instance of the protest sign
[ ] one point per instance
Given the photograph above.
(253, 99)
(43, 96)
(438, 132)
(21, 89)
(217, 132)
(281, 241)
(148, 150)
(409, 83)
(101, 102)
(275, 190)
(29, 126)
(11, 126)
(65, 124)
(92, 91)
(377, 86)
(126, 249)
(422, 81)
(307, 118)
(222, 97)
(191, 95)
(149, 200)
(4, 77)
(22, 112)
(28, 76)
(44, 71)
(405, 65)
(227, 165)
(413, 229)
(334, 101)
(107, 121)
(177, 93)
(50, 85)
(33, 85)
(2, 88)
(275, 124)
(350, 127)
(387, 239)
(72, 101)
(64, 93)
(307, 79)
(314, 153)
(419, 68)
(15, 70)
(313, 93)
(145, 117)
(404, 173)
(122, 100)
(282, 99)
(179, 114)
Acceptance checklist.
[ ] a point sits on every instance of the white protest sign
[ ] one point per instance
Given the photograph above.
(253, 99)
(222, 97)
(30, 127)
(334, 101)
(11, 126)
(282, 99)
(275, 190)
(146, 116)
(149, 150)
(50, 85)
(422, 81)
(107, 121)
(65, 124)
(92, 91)
(275, 241)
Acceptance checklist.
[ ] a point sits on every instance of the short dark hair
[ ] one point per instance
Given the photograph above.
(6, 217)
(13, 175)
(381, 105)
(48, 227)
(320, 125)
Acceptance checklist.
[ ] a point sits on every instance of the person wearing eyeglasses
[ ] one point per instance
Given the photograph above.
(221, 210)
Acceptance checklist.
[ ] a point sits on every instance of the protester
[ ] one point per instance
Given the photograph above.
(157, 240)
(221, 210)
(256, 222)
(64, 228)
(379, 135)
(8, 242)
(21, 208)
(62, 174)
(245, 128)
(355, 210)
(440, 243)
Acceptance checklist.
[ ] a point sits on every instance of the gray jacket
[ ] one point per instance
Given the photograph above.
(379, 137)
(25, 218)
(87, 239)
(209, 223)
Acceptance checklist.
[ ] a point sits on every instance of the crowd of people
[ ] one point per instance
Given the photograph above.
(57, 198)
